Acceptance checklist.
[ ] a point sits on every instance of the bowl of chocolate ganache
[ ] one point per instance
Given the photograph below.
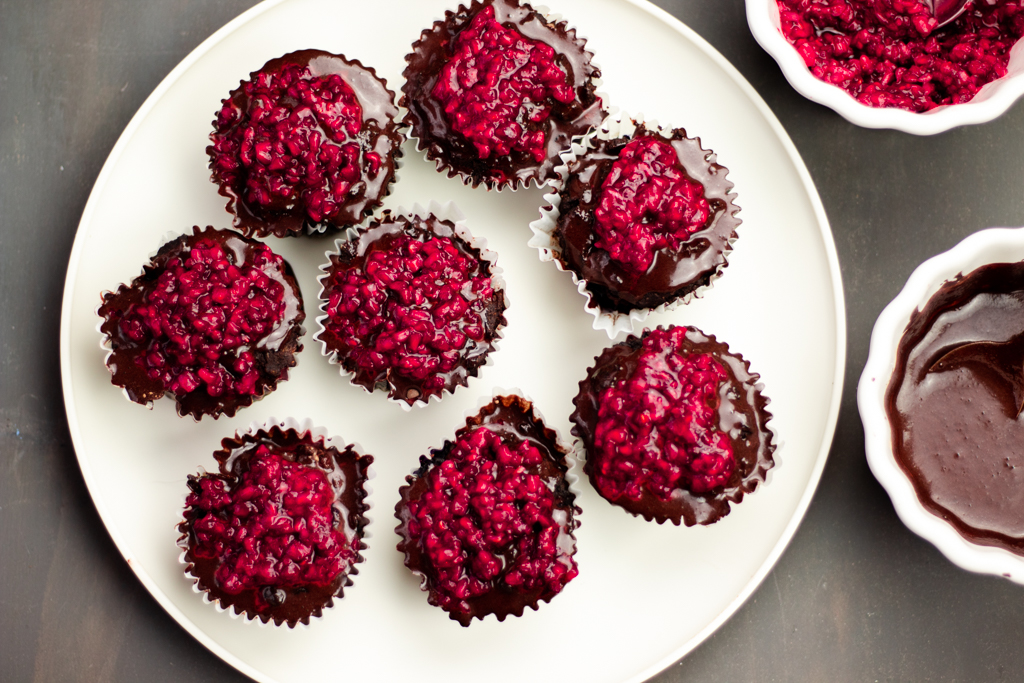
(942, 402)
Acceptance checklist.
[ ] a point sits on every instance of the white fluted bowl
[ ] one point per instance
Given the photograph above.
(991, 101)
(995, 245)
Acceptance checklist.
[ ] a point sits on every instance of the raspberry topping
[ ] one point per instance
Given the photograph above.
(498, 86)
(273, 529)
(490, 517)
(658, 430)
(412, 311)
(293, 145)
(214, 320)
(201, 316)
(297, 146)
(648, 203)
(888, 53)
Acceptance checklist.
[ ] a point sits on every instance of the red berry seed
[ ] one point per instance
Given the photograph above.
(648, 203)
(889, 53)
(497, 88)
(658, 430)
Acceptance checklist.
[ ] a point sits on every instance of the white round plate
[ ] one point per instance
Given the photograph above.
(646, 594)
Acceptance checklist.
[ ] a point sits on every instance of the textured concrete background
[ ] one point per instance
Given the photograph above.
(856, 597)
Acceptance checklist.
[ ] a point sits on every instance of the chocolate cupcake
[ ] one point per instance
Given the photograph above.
(277, 532)
(644, 218)
(308, 143)
(496, 90)
(487, 520)
(674, 426)
(215, 320)
(413, 306)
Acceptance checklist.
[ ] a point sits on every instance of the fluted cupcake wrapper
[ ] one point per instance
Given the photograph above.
(616, 125)
(442, 212)
(106, 342)
(442, 162)
(561, 451)
(318, 435)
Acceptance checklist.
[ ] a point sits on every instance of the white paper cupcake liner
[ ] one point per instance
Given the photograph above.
(580, 454)
(441, 165)
(572, 474)
(444, 212)
(616, 125)
(318, 434)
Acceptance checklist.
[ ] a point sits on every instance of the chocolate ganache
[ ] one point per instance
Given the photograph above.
(954, 403)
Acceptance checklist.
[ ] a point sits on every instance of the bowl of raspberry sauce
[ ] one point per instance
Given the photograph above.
(940, 398)
(886, 63)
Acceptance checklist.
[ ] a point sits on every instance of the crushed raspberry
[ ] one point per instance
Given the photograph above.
(658, 431)
(498, 87)
(201, 316)
(648, 203)
(485, 523)
(273, 528)
(413, 309)
(889, 53)
(294, 143)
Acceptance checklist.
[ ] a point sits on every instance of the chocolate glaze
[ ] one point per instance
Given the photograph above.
(347, 473)
(273, 354)
(954, 408)
(380, 133)
(426, 115)
(512, 416)
(378, 236)
(742, 415)
(673, 273)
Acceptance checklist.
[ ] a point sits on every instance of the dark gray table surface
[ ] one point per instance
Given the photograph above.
(855, 597)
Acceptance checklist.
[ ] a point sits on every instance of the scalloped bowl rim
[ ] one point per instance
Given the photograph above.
(992, 101)
(993, 245)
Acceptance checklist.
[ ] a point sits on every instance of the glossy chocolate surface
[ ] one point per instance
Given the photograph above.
(512, 416)
(379, 236)
(673, 273)
(380, 133)
(742, 415)
(274, 354)
(346, 472)
(427, 116)
(954, 404)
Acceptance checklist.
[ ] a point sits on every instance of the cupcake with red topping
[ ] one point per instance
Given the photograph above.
(215, 320)
(643, 218)
(487, 520)
(495, 91)
(674, 426)
(413, 305)
(309, 143)
(276, 533)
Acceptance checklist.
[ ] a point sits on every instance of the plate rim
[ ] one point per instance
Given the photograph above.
(824, 230)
